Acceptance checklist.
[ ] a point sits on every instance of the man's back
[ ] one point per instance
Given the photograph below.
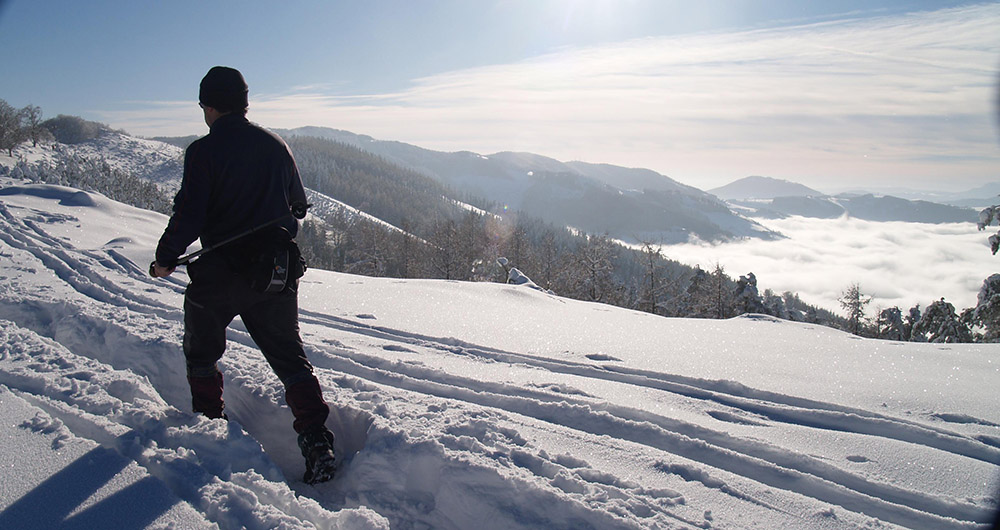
(237, 177)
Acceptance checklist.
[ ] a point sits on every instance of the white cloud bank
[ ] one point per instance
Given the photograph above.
(899, 264)
(904, 100)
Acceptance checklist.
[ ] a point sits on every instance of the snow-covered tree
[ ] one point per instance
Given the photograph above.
(854, 302)
(987, 310)
(986, 218)
(12, 133)
(722, 294)
(774, 305)
(890, 324)
(31, 120)
(709, 295)
(940, 323)
(591, 277)
(747, 298)
(909, 321)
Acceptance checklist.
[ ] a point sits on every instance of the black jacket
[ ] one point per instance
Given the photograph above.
(237, 177)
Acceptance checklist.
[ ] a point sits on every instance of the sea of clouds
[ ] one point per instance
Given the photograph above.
(897, 263)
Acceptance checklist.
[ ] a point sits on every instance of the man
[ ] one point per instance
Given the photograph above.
(236, 179)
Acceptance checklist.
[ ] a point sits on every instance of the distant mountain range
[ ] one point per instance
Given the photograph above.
(628, 204)
(768, 198)
(979, 197)
(639, 204)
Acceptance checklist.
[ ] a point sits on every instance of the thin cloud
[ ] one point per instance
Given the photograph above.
(840, 103)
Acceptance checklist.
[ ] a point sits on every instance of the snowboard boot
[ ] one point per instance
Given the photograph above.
(317, 448)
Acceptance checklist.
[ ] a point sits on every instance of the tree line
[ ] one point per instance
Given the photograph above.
(938, 322)
(25, 124)
(20, 125)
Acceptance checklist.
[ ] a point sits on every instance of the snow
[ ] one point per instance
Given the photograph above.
(462, 405)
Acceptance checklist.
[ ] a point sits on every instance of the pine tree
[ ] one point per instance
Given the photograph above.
(748, 300)
(909, 321)
(721, 295)
(940, 323)
(987, 310)
(854, 302)
(890, 325)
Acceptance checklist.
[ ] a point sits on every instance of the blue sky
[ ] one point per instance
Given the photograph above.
(830, 94)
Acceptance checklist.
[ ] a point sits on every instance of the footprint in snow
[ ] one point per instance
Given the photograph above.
(962, 418)
(734, 418)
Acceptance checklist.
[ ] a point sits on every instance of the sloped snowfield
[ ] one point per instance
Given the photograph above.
(462, 405)
(155, 161)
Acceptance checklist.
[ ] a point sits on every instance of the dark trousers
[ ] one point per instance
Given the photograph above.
(214, 297)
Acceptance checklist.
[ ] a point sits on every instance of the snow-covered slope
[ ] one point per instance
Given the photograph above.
(158, 162)
(462, 405)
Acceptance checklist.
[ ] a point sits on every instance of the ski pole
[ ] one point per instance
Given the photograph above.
(298, 210)
(184, 260)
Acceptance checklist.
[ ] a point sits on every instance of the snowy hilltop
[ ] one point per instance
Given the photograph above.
(462, 405)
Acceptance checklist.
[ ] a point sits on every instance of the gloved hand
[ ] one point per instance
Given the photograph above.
(299, 210)
(156, 271)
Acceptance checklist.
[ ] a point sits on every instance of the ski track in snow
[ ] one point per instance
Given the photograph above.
(101, 360)
(759, 461)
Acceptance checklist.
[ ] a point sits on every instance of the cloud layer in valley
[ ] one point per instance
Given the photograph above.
(899, 264)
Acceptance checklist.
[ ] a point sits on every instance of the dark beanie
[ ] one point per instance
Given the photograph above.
(224, 90)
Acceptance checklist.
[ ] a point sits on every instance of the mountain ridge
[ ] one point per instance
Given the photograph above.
(758, 187)
(584, 196)
(770, 198)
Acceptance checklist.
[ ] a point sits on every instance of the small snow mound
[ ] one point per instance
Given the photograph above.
(80, 198)
(602, 357)
(119, 241)
(65, 196)
(760, 317)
